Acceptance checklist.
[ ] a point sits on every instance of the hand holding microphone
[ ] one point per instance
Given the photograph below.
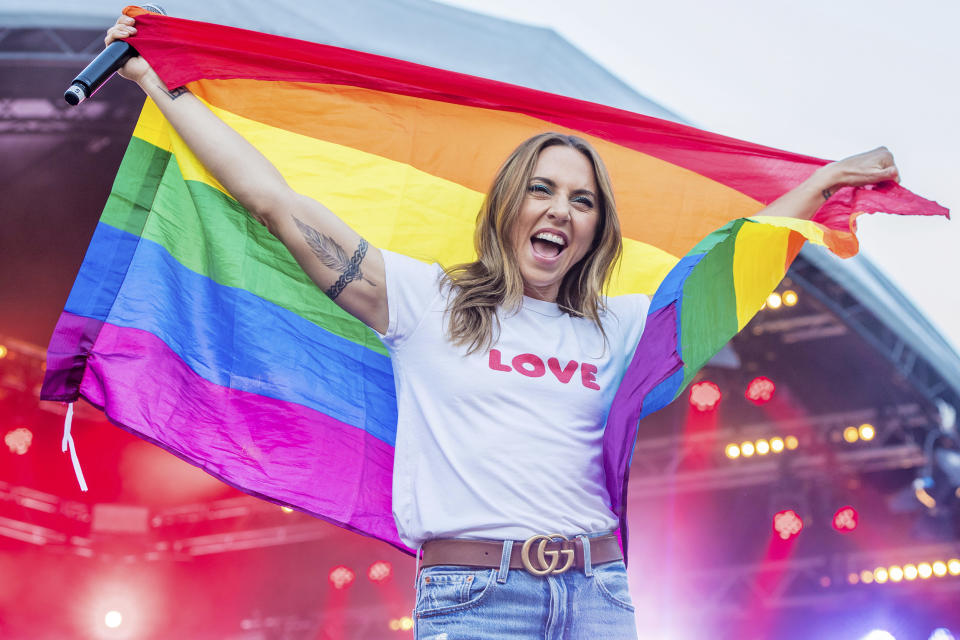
(116, 57)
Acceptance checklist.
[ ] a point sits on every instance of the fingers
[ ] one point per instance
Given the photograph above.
(122, 29)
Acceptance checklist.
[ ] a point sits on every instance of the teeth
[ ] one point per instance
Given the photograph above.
(550, 237)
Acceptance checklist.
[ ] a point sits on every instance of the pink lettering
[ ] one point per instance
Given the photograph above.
(535, 364)
(496, 363)
(564, 374)
(588, 374)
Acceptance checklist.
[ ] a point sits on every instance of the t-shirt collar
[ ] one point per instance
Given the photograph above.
(542, 307)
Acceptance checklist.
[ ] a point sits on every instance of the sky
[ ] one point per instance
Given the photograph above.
(823, 78)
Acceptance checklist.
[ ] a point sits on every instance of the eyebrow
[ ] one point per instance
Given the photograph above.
(551, 183)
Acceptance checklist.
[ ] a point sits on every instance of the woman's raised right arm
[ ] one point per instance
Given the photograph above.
(337, 259)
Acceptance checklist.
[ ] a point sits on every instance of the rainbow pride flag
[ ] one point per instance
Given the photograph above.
(192, 327)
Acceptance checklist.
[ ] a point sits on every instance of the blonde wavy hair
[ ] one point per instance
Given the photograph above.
(494, 281)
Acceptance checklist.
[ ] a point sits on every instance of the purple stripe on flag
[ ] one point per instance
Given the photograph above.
(654, 361)
(278, 450)
(67, 356)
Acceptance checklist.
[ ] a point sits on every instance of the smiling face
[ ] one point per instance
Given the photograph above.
(557, 221)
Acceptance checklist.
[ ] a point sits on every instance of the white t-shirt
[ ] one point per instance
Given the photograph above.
(502, 444)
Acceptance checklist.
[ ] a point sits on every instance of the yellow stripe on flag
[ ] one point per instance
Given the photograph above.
(759, 261)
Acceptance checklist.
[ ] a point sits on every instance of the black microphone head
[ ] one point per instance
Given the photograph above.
(154, 8)
(75, 94)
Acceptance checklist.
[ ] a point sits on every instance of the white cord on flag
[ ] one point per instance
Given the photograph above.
(68, 444)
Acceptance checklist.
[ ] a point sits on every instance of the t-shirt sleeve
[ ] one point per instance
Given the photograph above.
(412, 288)
(630, 312)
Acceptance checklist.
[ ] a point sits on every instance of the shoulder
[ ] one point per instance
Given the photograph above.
(627, 308)
(624, 319)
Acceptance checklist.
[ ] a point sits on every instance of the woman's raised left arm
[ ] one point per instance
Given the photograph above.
(856, 171)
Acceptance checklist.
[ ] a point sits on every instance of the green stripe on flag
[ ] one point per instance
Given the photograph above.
(708, 316)
(211, 234)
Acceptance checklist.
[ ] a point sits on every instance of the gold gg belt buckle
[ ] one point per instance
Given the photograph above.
(542, 554)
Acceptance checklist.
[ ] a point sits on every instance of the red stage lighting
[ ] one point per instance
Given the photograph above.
(787, 524)
(705, 396)
(379, 571)
(18, 440)
(341, 577)
(845, 519)
(760, 390)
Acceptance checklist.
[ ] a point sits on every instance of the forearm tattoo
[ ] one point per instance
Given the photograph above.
(173, 94)
(826, 193)
(334, 257)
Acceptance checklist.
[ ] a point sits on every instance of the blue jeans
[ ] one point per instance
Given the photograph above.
(460, 603)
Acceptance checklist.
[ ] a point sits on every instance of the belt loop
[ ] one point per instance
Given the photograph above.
(587, 566)
(416, 575)
(505, 561)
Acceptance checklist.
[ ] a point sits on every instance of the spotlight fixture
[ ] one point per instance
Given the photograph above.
(760, 390)
(846, 519)
(705, 396)
(341, 577)
(759, 447)
(787, 524)
(910, 571)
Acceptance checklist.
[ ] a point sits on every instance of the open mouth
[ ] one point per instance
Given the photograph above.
(547, 244)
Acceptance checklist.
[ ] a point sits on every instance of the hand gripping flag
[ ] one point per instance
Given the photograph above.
(192, 327)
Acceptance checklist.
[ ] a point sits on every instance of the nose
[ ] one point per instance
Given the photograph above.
(559, 210)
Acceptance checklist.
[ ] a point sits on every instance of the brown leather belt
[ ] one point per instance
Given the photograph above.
(539, 555)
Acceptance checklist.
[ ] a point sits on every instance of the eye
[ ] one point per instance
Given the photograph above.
(583, 202)
(539, 189)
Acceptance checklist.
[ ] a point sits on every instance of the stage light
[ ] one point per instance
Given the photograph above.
(851, 435)
(747, 449)
(341, 577)
(866, 432)
(941, 634)
(705, 396)
(394, 625)
(880, 575)
(789, 297)
(924, 570)
(379, 571)
(953, 567)
(286, 509)
(866, 576)
(896, 573)
(787, 524)
(113, 619)
(939, 568)
(846, 519)
(791, 442)
(3, 352)
(760, 390)
(878, 634)
(732, 451)
(910, 572)
(776, 445)
(406, 623)
(774, 300)
(18, 440)
(853, 578)
(763, 447)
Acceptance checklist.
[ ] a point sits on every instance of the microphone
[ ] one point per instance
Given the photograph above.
(103, 67)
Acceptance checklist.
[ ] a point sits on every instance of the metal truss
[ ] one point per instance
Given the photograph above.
(49, 115)
(49, 46)
(658, 466)
(803, 581)
(888, 342)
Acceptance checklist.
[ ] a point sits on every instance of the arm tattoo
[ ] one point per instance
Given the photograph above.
(333, 257)
(173, 94)
(826, 193)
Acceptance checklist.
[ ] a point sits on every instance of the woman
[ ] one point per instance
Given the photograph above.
(505, 369)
